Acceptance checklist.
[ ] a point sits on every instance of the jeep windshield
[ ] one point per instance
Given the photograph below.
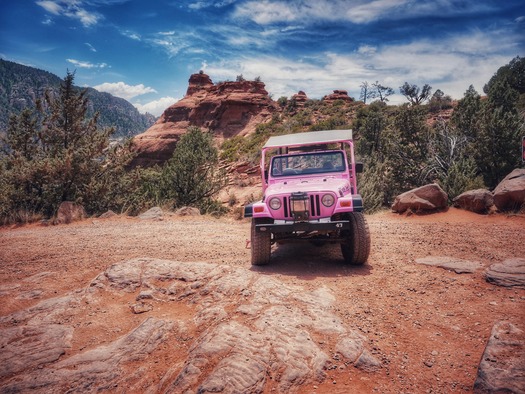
(308, 163)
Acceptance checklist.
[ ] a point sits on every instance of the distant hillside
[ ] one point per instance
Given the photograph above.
(21, 86)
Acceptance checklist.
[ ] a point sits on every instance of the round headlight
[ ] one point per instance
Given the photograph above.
(328, 200)
(275, 203)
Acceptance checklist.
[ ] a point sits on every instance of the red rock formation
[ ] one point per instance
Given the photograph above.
(226, 109)
(338, 95)
(300, 98)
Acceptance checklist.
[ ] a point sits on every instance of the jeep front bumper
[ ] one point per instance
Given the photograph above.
(284, 226)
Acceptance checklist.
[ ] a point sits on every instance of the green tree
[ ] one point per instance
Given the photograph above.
(54, 153)
(449, 163)
(493, 128)
(365, 91)
(369, 126)
(440, 101)
(407, 148)
(415, 94)
(467, 114)
(193, 175)
(282, 101)
(500, 134)
(381, 92)
(513, 73)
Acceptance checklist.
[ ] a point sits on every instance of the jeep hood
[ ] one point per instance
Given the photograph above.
(310, 185)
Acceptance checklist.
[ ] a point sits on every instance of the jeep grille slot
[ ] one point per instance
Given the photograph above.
(286, 206)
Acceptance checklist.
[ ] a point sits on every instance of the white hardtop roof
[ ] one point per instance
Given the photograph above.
(310, 138)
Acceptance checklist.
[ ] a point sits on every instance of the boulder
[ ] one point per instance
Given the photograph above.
(69, 212)
(107, 215)
(225, 109)
(425, 198)
(510, 193)
(188, 211)
(510, 273)
(154, 213)
(502, 366)
(479, 201)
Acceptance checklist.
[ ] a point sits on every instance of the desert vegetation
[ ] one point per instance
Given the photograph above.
(57, 151)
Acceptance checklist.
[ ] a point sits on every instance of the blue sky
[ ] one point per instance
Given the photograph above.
(145, 51)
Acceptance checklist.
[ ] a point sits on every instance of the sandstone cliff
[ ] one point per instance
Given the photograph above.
(226, 109)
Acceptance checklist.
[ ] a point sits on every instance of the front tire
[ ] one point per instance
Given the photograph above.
(356, 247)
(261, 244)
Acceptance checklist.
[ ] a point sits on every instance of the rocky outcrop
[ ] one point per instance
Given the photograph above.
(338, 95)
(300, 98)
(479, 201)
(225, 109)
(214, 329)
(510, 193)
(425, 198)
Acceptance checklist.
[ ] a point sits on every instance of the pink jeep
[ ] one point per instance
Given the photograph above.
(309, 194)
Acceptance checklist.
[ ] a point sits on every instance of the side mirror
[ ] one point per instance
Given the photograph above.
(266, 176)
(359, 166)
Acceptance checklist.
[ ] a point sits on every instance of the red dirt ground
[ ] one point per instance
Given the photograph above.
(428, 326)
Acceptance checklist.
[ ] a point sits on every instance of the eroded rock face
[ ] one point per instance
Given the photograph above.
(510, 193)
(479, 200)
(225, 109)
(251, 333)
(425, 198)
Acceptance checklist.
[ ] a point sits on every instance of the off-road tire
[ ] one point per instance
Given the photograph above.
(356, 247)
(261, 244)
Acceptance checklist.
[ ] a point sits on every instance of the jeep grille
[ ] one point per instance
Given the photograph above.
(314, 206)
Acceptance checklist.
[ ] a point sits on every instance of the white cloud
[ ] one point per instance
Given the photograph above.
(130, 34)
(120, 89)
(51, 7)
(356, 11)
(71, 9)
(91, 47)
(85, 17)
(450, 64)
(84, 64)
(156, 107)
(198, 5)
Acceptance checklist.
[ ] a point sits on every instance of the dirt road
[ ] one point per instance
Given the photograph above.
(426, 325)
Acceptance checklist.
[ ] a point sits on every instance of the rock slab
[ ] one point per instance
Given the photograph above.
(509, 273)
(502, 367)
(252, 334)
(459, 266)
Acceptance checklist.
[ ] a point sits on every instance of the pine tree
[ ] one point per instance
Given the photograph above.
(193, 175)
(53, 154)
